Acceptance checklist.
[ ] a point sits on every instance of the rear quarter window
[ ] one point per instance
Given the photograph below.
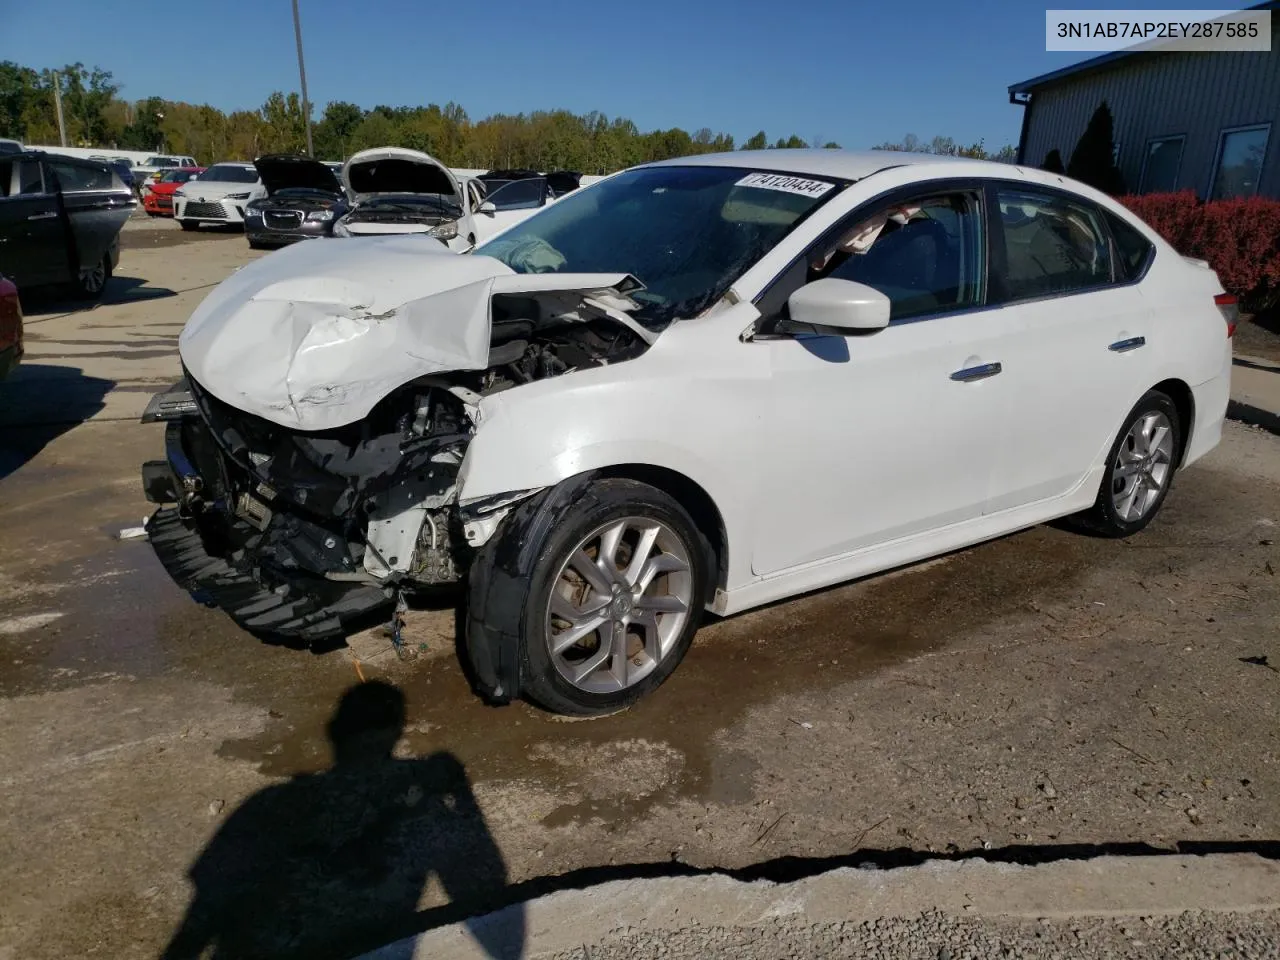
(1133, 250)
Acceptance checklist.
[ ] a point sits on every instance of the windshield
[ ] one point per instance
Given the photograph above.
(687, 233)
(161, 162)
(230, 173)
(177, 175)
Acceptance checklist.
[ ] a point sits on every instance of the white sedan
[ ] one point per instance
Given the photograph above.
(702, 384)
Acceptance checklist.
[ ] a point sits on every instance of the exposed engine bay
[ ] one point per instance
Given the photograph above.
(301, 531)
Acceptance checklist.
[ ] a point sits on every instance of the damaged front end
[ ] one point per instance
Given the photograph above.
(307, 534)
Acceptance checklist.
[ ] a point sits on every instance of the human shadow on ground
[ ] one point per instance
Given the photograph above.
(40, 402)
(332, 864)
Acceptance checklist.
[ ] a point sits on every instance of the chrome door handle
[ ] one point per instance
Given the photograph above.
(43, 216)
(977, 373)
(1124, 346)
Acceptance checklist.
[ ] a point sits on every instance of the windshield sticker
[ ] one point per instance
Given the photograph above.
(785, 184)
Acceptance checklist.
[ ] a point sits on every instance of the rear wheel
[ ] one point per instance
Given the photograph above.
(93, 280)
(1140, 468)
(613, 600)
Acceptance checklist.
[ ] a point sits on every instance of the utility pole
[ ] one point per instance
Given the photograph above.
(302, 75)
(57, 105)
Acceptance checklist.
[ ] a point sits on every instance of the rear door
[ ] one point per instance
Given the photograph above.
(97, 204)
(33, 238)
(1078, 351)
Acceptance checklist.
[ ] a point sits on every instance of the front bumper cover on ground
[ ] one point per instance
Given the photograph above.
(321, 620)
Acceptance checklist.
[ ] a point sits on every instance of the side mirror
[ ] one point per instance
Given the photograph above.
(839, 305)
(488, 209)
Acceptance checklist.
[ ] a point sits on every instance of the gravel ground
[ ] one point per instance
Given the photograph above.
(937, 936)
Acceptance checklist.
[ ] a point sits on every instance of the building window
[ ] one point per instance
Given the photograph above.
(1164, 160)
(1239, 166)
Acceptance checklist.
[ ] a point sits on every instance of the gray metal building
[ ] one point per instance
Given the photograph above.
(1208, 122)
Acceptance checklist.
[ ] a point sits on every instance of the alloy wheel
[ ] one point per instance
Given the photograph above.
(1143, 466)
(619, 604)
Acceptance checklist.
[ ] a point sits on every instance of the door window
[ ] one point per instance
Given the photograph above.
(1053, 245)
(925, 255)
(519, 194)
(76, 176)
(21, 178)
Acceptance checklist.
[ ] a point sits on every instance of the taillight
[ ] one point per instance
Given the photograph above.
(1230, 308)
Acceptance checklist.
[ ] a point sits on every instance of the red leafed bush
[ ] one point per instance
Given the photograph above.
(1239, 238)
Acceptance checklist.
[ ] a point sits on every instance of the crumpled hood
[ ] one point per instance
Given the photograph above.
(313, 336)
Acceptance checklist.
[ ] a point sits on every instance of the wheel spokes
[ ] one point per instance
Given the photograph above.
(573, 634)
(581, 564)
(662, 563)
(648, 537)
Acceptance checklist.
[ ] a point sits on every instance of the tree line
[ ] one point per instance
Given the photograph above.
(96, 116)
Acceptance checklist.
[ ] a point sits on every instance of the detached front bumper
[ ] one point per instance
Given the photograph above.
(210, 550)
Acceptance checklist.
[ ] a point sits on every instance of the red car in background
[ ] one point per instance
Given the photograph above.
(157, 195)
(10, 327)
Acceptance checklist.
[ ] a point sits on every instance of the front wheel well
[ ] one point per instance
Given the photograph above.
(690, 495)
(1184, 402)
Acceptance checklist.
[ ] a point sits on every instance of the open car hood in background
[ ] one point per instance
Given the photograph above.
(280, 171)
(313, 336)
(397, 170)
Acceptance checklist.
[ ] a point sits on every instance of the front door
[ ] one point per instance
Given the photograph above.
(884, 435)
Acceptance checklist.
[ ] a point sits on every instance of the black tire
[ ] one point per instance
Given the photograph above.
(517, 606)
(91, 285)
(1103, 518)
(188, 224)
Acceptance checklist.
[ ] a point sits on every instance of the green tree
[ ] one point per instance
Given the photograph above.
(757, 141)
(20, 98)
(1093, 160)
(333, 135)
(145, 133)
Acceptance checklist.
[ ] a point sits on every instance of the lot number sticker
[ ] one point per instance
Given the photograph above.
(785, 184)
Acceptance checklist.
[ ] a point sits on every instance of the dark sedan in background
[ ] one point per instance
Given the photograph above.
(304, 198)
(60, 221)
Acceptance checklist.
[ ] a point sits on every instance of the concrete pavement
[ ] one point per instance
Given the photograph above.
(579, 923)
(1255, 392)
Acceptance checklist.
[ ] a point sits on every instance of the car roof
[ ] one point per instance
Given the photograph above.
(845, 164)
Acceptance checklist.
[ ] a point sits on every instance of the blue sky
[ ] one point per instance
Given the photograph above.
(859, 73)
